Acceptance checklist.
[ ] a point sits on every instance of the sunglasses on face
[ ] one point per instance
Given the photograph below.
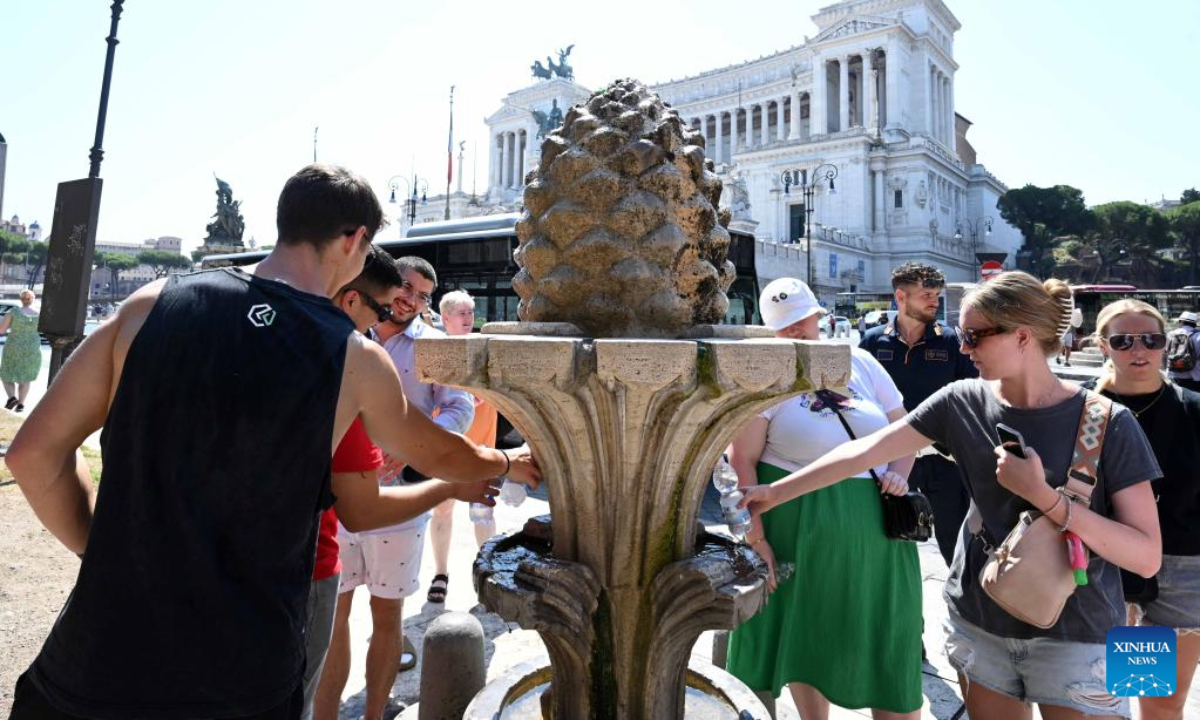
(410, 291)
(383, 313)
(971, 337)
(1150, 341)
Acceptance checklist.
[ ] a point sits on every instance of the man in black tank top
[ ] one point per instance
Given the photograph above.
(222, 396)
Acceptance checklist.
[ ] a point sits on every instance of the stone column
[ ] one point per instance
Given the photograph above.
(881, 200)
(497, 161)
(893, 115)
(868, 73)
(844, 93)
(720, 157)
(818, 116)
(933, 106)
(950, 111)
(512, 160)
(520, 179)
(794, 131)
(764, 112)
(780, 120)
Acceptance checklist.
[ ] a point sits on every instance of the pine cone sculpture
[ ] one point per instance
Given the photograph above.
(620, 233)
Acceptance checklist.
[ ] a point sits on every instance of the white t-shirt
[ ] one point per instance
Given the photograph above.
(797, 434)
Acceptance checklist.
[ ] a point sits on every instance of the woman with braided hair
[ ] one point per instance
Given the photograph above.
(1011, 325)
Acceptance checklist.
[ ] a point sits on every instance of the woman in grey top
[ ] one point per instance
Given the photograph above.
(1010, 326)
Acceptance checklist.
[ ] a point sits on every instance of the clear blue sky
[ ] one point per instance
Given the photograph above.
(1098, 94)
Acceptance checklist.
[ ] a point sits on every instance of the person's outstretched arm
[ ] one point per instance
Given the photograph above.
(372, 385)
(847, 460)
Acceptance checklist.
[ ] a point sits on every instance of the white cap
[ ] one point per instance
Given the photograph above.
(1188, 316)
(786, 301)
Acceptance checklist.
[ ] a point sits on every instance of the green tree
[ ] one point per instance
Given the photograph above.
(35, 260)
(1127, 230)
(1189, 196)
(163, 261)
(115, 264)
(1042, 214)
(1185, 227)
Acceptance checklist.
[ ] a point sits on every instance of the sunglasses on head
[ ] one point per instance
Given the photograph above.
(1150, 341)
(971, 337)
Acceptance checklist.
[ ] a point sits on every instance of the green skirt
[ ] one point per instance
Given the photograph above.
(849, 621)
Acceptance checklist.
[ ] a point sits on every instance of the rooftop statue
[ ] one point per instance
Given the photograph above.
(228, 225)
(551, 68)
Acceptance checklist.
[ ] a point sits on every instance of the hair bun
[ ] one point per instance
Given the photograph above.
(1061, 293)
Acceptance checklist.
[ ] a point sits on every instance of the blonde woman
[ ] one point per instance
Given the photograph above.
(22, 351)
(1132, 335)
(1010, 326)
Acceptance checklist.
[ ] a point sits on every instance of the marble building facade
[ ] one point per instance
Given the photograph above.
(872, 95)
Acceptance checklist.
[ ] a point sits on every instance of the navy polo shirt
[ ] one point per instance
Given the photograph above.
(922, 369)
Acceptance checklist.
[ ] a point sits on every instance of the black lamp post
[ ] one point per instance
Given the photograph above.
(72, 243)
(412, 189)
(973, 228)
(808, 183)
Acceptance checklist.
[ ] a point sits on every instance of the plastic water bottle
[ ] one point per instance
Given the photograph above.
(725, 480)
(513, 494)
(783, 571)
(481, 514)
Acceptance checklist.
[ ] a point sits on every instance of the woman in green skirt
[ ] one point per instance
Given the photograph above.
(22, 359)
(846, 629)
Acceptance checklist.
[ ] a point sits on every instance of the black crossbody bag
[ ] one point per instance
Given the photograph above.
(908, 517)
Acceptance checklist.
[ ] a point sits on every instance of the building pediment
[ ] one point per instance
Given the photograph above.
(854, 25)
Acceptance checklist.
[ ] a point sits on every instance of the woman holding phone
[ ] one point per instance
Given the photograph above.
(1011, 325)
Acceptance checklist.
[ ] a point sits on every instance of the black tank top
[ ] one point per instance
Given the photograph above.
(191, 599)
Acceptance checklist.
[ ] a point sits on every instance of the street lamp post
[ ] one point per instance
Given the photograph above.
(417, 186)
(73, 234)
(973, 227)
(808, 183)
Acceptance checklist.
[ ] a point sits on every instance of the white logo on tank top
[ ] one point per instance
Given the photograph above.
(261, 315)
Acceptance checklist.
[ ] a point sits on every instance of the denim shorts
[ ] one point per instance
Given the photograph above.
(1178, 603)
(1041, 670)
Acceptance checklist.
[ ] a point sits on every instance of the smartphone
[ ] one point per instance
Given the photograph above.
(1011, 440)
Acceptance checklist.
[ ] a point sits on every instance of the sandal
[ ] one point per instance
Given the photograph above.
(437, 588)
(408, 656)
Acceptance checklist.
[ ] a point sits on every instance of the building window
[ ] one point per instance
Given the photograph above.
(899, 199)
(795, 222)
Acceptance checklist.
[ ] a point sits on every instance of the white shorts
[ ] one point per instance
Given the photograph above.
(387, 562)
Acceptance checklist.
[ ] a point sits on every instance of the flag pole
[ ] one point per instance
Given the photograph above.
(450, 154)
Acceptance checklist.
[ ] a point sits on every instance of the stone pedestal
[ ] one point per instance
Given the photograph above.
(627, 433)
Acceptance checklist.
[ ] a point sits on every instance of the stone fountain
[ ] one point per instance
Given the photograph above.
(627, 389)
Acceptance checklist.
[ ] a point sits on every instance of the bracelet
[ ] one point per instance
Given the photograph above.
(1055, 505)
(1067, 525)
(507, 463)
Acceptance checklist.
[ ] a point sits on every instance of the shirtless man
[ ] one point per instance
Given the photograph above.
(222, 396)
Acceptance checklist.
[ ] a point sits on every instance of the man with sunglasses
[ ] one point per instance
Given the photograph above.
(922, 356)
(388, 560)
(1178, 361)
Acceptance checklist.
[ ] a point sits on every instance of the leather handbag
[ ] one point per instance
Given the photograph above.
(905, 517)
(1029, 575)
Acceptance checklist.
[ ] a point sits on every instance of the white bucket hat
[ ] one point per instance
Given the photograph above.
(786, 301)
(1186, 316)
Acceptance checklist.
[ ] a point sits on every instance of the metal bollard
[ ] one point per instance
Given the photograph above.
(452, 668)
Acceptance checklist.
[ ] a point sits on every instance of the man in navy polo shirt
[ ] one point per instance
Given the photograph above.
(923, 356)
